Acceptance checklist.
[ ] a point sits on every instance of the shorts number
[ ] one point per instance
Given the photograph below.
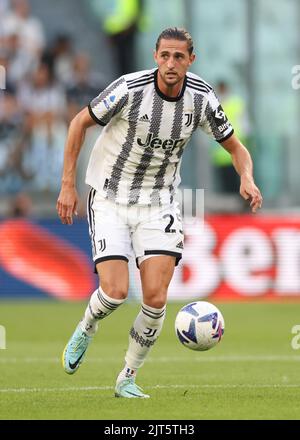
(168, 227)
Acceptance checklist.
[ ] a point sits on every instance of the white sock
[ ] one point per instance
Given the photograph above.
(126, 373)
(142, 337)
(100, 306)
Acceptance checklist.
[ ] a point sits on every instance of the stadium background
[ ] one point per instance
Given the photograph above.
(233, 258)
(241, 257)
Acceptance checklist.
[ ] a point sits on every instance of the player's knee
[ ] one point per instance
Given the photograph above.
(114, 290)
(156, 298)
(157, 303)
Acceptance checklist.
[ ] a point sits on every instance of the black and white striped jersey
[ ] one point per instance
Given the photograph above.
(136, 159)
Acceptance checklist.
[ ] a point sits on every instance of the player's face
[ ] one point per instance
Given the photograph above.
(173, 60)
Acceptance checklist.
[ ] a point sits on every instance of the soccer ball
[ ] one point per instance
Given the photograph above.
(199, 325)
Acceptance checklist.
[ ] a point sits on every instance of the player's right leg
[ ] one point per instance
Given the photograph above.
(111, 249)
(112, 292)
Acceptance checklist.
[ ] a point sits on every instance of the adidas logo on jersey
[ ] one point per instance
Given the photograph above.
(180, 245)
(145, 118)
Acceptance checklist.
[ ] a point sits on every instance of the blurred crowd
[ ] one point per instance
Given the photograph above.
(46, 85)
(49, 81)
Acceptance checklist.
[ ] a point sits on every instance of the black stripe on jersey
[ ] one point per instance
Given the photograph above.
(212, 122)
(198, 88)
(141, 78)
(199, 82)
(137, 81)
(198, 109)
(114, 180)
(106, 92)
(175, 134)
(172, 189)
(115, 110)
(136, 185)
(133, 86)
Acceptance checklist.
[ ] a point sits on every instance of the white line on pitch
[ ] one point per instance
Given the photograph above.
(165, 359)
(105, 388)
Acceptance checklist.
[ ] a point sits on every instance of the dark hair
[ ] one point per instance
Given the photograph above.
(176, 34)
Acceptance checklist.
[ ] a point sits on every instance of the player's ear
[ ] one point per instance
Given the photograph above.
(155, 55)
(192, 58)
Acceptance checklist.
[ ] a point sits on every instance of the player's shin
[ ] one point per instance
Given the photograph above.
(99, 307)
(142, 337)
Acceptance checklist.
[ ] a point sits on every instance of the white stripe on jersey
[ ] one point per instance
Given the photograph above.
(136, 159)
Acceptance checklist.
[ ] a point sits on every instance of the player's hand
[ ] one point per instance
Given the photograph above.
(249, 190)
(66, 204)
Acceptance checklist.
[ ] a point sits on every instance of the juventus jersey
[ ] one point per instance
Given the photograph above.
(136, 159)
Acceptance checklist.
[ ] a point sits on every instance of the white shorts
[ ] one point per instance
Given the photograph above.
(119, 232)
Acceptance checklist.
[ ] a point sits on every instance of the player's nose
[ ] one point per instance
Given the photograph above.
(170, 63)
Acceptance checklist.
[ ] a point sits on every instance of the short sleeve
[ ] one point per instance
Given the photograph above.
(214, 121)
(109, 102)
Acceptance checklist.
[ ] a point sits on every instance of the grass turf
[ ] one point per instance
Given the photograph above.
(252, 374)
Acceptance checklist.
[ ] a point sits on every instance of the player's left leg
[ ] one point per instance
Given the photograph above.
(156, 274)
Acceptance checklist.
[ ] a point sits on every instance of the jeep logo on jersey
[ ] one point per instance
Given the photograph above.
(221, 119)
(154, 142)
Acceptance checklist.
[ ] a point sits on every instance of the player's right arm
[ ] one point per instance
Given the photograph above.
(68, 197)
(100, 111)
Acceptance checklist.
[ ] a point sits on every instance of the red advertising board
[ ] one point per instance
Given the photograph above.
(240, 258)
(43, 262)
(225, 258)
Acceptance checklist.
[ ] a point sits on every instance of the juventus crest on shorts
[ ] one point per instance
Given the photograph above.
(136, 159)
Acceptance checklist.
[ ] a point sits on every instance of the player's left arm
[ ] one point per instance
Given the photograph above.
(242, 162)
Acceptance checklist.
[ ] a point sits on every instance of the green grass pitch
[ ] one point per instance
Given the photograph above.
(252, 374)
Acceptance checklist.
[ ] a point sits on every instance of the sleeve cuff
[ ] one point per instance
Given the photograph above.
(93, 116)
(226, 137)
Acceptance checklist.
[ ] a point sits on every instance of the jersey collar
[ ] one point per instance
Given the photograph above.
(165, 97)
